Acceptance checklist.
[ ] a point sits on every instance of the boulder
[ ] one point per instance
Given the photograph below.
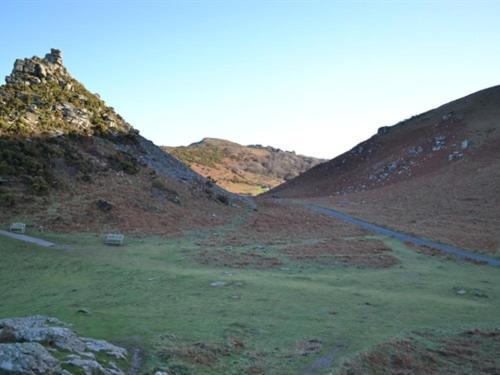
(54, 57)
(104, 205)
(383, 130)
(104, 346)
(24, 343)
(455, 155)
(27, 358)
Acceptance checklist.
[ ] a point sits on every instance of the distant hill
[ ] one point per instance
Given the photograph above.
(70, 162)
(242, 169)
(436, 174)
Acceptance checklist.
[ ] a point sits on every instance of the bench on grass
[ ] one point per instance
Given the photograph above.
(18, 227)
(114, 239)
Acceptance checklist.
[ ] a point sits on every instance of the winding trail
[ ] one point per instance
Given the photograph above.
(25, 238)
(405, 237)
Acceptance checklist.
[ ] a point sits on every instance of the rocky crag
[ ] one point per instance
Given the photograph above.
(68, 161)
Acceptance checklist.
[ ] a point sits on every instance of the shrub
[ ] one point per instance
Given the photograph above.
(222, 198)
(7, 199)
(121, 161)
(38, 185)
(171, 194)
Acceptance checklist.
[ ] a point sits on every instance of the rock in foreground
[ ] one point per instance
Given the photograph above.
(44, 345)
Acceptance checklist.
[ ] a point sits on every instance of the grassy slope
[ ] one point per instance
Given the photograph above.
(248, 170)
(449, 201)
(152, 287)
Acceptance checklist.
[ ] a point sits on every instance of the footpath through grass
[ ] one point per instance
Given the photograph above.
(296, 318)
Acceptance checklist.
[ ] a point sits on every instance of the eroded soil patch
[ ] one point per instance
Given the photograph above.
(470, 352)
(228, 258)
(277, 224)
(361, 253)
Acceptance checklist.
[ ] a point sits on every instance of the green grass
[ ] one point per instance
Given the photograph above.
(150, 289)
(204, 155)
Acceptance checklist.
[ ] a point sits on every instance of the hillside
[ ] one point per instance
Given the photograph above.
(70, 162)
(436, 174)
(242, 169)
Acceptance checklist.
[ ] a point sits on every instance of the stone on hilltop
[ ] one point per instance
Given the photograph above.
(35, 70)
(54, 57)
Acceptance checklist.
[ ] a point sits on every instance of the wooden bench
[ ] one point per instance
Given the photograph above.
(114, 239)
(18, 227)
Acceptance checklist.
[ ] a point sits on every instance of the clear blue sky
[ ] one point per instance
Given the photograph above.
(312, 76)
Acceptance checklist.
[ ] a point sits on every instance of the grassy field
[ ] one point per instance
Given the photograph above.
(297, 317)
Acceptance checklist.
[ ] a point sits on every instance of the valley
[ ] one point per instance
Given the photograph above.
(248, 170)
(215, 279)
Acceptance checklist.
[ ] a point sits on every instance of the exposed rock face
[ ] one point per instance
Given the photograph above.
(54, 57)
(41, 97)
(36, 70)
(24, 343)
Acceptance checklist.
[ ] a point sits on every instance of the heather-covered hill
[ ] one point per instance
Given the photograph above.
(70, 162)
(243, 169)
(436, 174)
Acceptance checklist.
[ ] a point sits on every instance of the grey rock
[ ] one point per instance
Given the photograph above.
(40, 71)
(62, 338)
(383, 130)
(415, 151)
(391, 167)
(36, 70)
(439, 143)
(18, 66)
(217, 284)
(104, 346)
(455, 155)
(54, 57)
(30, 322)
(90, 367)
(452, 117)
(26, 353)
(26, 358)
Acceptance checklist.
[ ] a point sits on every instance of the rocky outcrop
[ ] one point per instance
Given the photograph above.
(41, 97)
(44, 345)
(36, 70)
(27, 358)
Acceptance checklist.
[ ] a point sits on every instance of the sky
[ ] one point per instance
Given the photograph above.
(316, 77)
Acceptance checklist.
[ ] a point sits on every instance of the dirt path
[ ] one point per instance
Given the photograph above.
(25, 238)
(405, 237)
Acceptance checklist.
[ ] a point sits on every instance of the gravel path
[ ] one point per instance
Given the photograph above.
(406, 237)
(25, 238)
